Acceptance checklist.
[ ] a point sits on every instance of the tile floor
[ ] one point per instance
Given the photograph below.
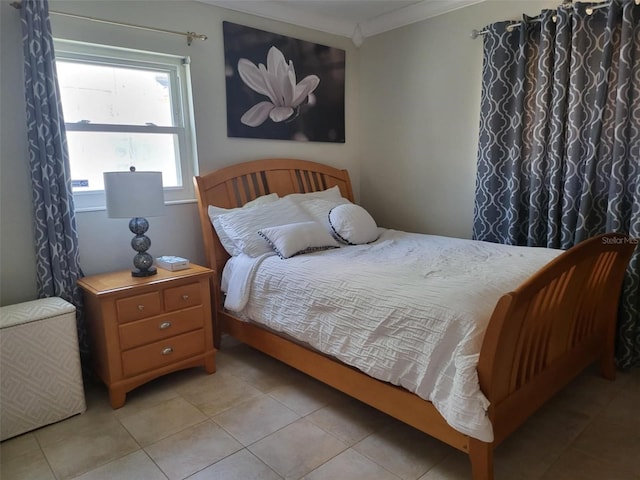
(258, 419)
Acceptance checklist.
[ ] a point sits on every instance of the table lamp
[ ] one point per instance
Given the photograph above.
(136, 195)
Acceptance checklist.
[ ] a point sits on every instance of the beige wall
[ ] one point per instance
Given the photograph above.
(104, 242)
(420, 110)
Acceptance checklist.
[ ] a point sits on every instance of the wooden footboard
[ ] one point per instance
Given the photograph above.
(549, 329)
(539, 338)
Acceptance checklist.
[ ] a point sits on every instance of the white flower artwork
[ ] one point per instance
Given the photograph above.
(277, 81)
(282, 88)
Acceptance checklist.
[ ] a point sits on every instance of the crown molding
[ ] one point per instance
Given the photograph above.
(358, 32)
(288, 14)
(414, 13)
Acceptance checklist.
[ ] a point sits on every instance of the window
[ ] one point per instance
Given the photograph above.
(125, 108)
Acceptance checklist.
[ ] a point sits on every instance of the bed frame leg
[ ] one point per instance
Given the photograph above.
(481, 456)
(608, 366)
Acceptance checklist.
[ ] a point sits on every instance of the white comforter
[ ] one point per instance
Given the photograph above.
(409, 309)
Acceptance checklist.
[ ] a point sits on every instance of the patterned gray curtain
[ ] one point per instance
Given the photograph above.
(559, 148)
(56, 237)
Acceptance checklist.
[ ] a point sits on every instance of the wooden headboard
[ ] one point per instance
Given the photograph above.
(233, 186)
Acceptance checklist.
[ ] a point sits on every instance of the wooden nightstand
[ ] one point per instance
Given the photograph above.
(142, 328)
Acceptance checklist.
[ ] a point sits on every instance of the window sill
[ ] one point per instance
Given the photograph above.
(103, 208)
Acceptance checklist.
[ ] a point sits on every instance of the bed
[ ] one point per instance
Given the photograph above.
(542, 331)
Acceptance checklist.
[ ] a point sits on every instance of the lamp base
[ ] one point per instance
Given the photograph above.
(141, 243)
(144, 273)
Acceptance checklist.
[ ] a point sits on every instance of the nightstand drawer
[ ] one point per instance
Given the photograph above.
(138, 306)
(182, 297)
(162, 353)
(141, 332)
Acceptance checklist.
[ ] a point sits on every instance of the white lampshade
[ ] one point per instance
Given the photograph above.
(134, 194)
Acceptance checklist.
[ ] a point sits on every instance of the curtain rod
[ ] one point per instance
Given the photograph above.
(190, 35)
(589, 10)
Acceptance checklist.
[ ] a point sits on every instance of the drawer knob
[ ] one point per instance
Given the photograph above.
(164, 325)
(140, 307)
(185, 297)
(167, 351)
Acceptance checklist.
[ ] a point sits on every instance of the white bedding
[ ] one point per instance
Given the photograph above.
(409, 309)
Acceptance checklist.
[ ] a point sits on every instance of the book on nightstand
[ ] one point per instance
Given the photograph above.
(172, 263)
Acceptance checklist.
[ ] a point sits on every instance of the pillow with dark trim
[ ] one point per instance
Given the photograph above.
(352, 224)
(297, 238)
(242, 226)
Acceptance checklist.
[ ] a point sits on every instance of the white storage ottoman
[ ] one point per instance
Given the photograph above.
(40, 373)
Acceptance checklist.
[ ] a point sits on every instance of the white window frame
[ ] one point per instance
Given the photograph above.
(178, 68)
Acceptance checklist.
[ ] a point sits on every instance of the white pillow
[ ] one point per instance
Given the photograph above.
(215, 212)
(319, 209)
(242, 225)
(352, 224)
(297, 238)
(332, 193)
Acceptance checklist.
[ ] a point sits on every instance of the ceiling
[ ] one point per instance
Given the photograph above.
(355, 19)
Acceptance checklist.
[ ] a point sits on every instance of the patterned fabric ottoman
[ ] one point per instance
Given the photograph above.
(40, 374)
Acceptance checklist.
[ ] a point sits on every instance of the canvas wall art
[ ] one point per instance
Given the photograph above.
(282, 88)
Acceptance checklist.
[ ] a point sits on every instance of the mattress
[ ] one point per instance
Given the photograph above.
(408, 309)
(41, 380)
